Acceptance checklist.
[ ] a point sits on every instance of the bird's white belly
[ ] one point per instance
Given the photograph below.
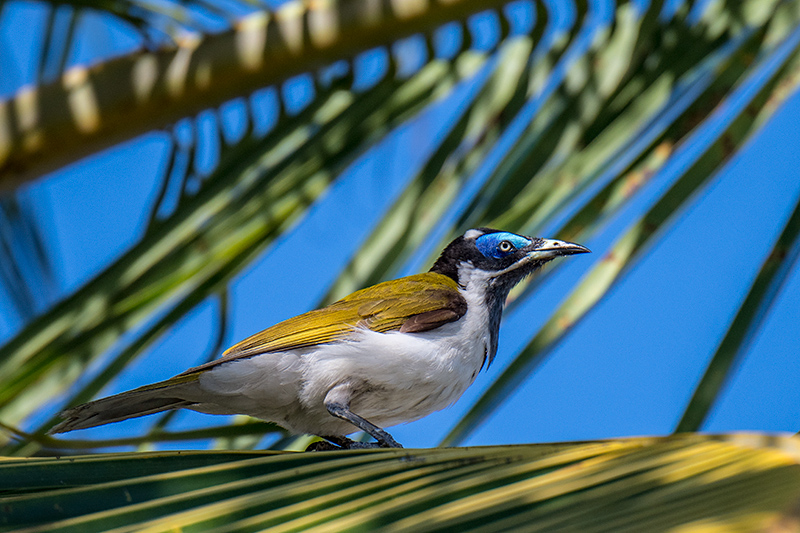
(396, 377)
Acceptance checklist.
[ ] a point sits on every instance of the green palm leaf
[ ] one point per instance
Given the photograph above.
(737, 482)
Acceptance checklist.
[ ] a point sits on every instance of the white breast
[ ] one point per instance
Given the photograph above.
(397, 377)
(405, 376)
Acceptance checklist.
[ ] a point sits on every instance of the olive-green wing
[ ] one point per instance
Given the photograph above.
(412, 304)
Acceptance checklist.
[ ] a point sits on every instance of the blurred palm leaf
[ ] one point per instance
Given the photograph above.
(91, 108)
(565, 128)
(26, 274)
(765, 289)
(696, 482)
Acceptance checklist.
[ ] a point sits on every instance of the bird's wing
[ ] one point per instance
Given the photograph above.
(412, 304)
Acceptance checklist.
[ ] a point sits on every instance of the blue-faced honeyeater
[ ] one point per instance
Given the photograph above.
(394, 352)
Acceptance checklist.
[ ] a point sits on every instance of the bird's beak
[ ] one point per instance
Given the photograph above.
(550, 248)
(545, 250)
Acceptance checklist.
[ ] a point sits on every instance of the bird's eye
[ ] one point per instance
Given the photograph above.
(505, 247)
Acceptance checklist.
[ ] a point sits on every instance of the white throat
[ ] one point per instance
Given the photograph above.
(477, 290)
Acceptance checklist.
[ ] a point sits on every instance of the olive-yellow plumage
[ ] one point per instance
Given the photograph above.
(414, 303)
(387, 354)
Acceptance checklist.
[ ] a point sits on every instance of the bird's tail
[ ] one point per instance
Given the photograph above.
(131, 404)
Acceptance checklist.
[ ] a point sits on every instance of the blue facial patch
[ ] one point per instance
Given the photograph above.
(496, 245)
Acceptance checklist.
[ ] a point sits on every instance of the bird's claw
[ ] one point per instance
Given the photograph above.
(322, 446)
(343, 443)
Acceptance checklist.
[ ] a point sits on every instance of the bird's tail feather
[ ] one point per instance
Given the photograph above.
(131, 404)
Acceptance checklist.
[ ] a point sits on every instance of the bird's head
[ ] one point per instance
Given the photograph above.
(499, 259)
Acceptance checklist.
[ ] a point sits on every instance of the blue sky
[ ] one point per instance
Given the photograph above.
(628, 369)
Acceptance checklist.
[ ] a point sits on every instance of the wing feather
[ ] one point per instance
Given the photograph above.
(412, 304)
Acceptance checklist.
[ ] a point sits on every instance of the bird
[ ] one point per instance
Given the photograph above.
(388, 354)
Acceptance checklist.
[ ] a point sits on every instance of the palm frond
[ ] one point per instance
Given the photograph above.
(754, 310)
(26, 275)
(89, 109)
(734, 482)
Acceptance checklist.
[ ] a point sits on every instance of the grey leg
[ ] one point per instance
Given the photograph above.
(337, 402)
(343, 411)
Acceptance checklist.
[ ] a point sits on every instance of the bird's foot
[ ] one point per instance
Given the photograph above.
(343, 443)
(330, 444)
(342, 410)
(322, 446)
(363, 445)
(387, 442)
